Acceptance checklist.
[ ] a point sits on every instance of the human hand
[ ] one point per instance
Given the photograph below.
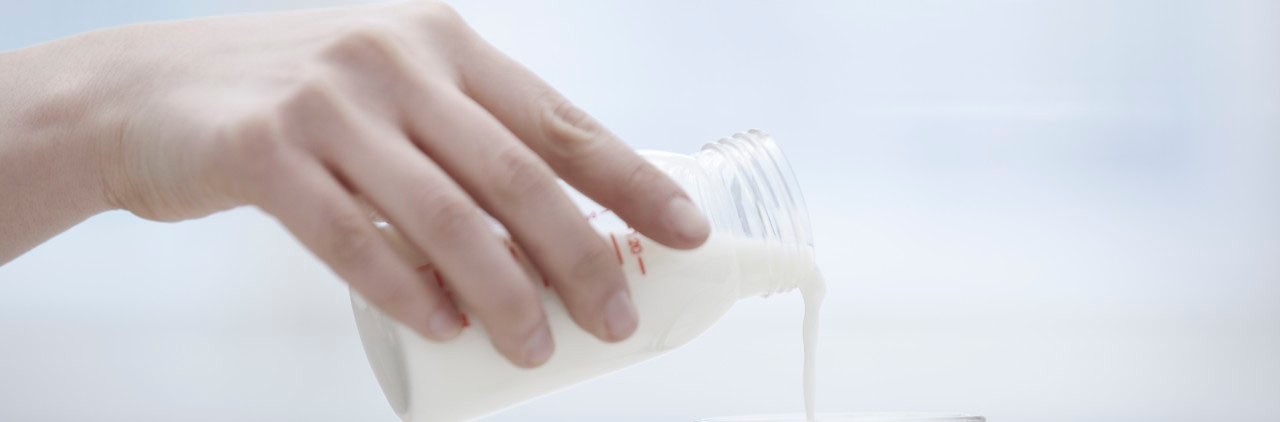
(310, 115)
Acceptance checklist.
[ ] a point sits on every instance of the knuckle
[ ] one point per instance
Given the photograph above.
(317, 117)
(451, 219)
(350, 240)
(435, 15)
(645, 178)
(315, 98)
(518, 302)
(253, 138)
(369, 44)
(591, 262)
(255, 148)
(393, 297)
(368, 34)
(569, 130)
(526, 177)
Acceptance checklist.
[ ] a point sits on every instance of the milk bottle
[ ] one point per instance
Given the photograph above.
(760, 245)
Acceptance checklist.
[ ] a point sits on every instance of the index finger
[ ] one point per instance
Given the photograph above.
(581, 151)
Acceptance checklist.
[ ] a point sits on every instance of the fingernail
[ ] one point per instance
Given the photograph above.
(444, 324)
(687, 220)
(620, 316)
(538, 348)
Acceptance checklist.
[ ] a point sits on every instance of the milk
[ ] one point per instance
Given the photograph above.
(813, 289)
(678, 293)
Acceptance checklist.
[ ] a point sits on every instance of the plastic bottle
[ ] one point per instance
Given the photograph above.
(760, 245)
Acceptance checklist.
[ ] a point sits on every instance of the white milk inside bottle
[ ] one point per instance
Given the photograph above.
(760, 245)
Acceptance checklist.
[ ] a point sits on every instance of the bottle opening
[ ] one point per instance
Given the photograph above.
(762, 199)
(764, 188)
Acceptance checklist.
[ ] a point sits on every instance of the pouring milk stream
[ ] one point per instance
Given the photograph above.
(760, 244)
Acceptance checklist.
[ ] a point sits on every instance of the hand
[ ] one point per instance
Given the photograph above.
(310, 115)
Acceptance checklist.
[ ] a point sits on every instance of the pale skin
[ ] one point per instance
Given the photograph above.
(318, 117)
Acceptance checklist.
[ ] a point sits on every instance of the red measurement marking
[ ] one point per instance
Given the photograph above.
(592, 215)
(634, 246)
(616, 250)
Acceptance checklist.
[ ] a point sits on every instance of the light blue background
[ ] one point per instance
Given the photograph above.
(1054, 211)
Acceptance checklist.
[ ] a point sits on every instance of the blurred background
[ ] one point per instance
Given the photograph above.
(1054, 210)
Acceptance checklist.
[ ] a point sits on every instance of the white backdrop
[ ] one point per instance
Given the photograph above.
(1054, 211)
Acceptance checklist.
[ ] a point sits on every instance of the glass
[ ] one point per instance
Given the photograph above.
(856, 417)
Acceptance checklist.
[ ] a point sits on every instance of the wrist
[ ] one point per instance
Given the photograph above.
(57, 108)
(50, 152)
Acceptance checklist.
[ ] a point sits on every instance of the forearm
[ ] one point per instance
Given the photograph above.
(49, 169)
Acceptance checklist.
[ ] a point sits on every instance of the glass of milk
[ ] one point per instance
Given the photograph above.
(760, 244)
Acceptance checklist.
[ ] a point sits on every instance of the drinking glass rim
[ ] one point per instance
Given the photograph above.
(855, 417)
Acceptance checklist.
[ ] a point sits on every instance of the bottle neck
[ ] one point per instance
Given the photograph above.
(753, 196)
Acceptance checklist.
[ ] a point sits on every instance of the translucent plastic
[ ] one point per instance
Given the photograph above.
(760, 244)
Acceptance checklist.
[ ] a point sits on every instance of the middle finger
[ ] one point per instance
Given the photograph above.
(521, 191)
